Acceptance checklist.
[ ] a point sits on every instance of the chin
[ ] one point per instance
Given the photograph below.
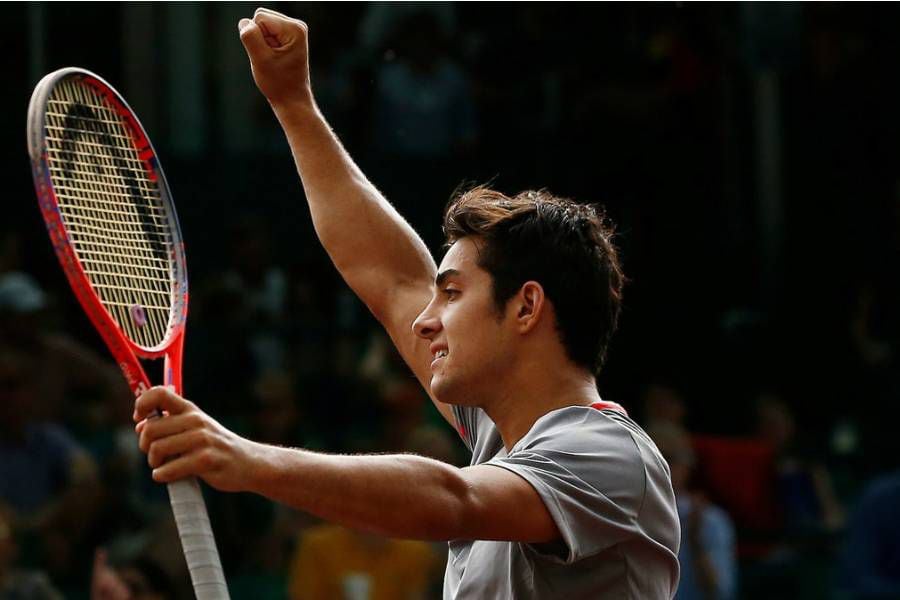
(439, 390)
(449, 391)
(442, 390)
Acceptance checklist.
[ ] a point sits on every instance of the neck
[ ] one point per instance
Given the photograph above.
(535, 390)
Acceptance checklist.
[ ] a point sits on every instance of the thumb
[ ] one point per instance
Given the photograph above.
(252, 38)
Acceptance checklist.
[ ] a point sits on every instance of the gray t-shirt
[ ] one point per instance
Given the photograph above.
(610, 493)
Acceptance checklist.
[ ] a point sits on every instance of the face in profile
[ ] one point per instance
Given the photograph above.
(470, 341)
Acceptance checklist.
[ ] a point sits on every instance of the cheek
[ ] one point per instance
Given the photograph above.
(459, 330)
(472, 332)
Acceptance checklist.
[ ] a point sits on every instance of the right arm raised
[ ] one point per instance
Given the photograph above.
(376, 251)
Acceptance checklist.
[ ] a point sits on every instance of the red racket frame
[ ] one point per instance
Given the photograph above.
(194, 528)
(124, 351)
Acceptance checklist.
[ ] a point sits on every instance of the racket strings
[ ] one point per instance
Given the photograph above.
(113, 211)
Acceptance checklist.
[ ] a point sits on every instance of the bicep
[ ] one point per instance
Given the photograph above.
(501, 505)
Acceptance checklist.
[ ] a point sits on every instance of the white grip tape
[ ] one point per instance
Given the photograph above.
(197, 540)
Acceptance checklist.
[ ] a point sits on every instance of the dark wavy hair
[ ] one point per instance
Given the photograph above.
(565, 246)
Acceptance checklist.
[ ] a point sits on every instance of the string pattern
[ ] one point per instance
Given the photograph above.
(113, 212)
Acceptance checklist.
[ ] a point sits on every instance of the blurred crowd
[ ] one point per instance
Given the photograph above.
(772, 393)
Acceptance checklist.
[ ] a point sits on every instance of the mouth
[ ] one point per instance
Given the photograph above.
(438, 355)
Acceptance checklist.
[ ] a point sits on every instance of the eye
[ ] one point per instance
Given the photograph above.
(451, 293)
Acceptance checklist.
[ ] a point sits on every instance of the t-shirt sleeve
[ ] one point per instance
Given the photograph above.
(591, 477)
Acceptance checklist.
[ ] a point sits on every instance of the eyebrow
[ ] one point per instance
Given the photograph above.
(443, 275)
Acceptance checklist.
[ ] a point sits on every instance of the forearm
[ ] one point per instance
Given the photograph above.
(395, 495)
(403, 496)
(368, 241)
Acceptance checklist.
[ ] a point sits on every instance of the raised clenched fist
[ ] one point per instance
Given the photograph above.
(279, 57)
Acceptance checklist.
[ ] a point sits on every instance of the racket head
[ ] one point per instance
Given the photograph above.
(109, 213)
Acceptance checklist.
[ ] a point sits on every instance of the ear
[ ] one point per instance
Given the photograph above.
(529, 305)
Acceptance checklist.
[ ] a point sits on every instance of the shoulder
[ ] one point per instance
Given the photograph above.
(604, 450)
(598, 434)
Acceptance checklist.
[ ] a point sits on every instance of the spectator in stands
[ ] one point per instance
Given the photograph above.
(871, 561)
(138, 579)
(707, 554)
(662, 403)
(335, 562)
(804, 487)
(262, 286)
(48, 482)
(17, 583)
(424, 120)
(67, 368)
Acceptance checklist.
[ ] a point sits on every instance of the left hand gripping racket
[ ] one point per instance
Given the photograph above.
(112, 223)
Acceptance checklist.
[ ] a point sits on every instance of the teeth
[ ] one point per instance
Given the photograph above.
(440, 354)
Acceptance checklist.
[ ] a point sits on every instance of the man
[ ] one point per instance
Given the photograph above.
(708, 556)
(566, 497)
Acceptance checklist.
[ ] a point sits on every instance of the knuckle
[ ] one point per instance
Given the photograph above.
(195, 420)
(206, 459)
(204, 437)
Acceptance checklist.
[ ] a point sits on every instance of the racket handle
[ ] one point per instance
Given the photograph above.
(197, 540)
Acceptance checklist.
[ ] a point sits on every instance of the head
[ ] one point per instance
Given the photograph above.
(18, 375)
(775, 421)
(527, 273)
(663, 404)
(23, 308)
(146, 580)
(275, 412)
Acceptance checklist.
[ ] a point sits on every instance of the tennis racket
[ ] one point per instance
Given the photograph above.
(112, 223)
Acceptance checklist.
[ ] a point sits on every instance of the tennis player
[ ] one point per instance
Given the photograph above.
(565, 497)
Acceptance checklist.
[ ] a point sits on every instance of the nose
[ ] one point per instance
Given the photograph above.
(427, 324)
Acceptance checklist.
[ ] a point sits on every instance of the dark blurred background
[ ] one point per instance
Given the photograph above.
(748, 154)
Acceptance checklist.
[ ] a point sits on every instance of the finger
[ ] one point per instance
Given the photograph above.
(172, 446)
(274, 13)
(159, 399)
(277, 29)
(271, 40)
(252, 38)
(186, 465)
(271, 29)
(156, 429)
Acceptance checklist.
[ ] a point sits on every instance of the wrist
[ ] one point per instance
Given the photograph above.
(294, 109)
(261, 468)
